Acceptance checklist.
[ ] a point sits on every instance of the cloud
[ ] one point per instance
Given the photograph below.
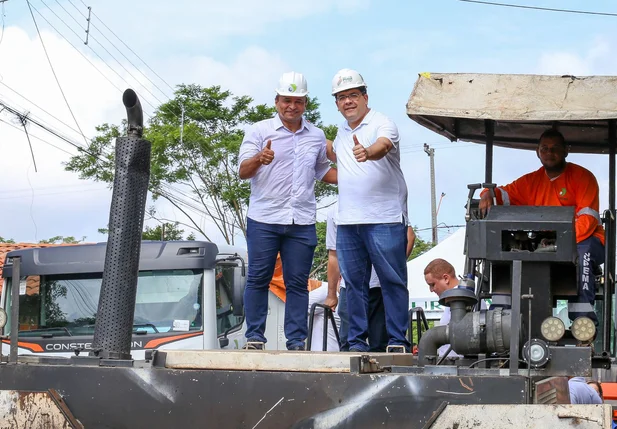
(209, 22)
(253, 71)
(596, 59)
(52, 201)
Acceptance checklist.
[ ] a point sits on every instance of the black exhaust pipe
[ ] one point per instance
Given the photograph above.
(134, 113)
(114, 319)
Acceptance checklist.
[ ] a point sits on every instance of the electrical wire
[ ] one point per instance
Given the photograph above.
(55, 133)
(81, 53)
(38, 138)
(54, 72)
(440, 226)
(28, 114)
(583, 12)
(39, 107)
(167, 194)
(122, 41)
(92, 49)
(111, 43)
(112, 56)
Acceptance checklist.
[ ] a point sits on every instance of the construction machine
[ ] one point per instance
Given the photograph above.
(513, 367)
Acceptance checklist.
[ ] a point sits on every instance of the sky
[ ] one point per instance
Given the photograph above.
(244, 47)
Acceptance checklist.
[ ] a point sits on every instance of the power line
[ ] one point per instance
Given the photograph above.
(111, 68)
(39, 107)
(81, 53)
(38, 138)
(169, 108)
(112, 44)
(54, 72)
(583, 12)
(115, 59)
(49, 130)
(440, 226)
(106, 50)
(122, 41)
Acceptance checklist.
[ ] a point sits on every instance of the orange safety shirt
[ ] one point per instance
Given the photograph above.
(576, 186)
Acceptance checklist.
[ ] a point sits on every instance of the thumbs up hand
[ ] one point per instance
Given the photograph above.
(359, 151)
(267, 155)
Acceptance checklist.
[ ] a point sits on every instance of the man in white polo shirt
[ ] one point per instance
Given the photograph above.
(372, 215)
(282, 157)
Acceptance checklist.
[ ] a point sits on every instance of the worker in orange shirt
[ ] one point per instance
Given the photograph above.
(561, 183)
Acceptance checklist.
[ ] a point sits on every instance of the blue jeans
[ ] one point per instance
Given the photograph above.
(296, 244)
(383, 246)
(377, 333)
(590, 257)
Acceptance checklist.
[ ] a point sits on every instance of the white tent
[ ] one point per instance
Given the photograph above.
(450, 249)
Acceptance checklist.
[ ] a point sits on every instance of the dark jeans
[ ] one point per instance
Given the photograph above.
(377, 333)
(382, 246)
(590, 257)
(296, 244)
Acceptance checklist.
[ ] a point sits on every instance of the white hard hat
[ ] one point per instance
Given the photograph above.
(292, 84)
(347, 79)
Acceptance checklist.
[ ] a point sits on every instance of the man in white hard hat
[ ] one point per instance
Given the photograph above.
(282, 156)
(372, 215)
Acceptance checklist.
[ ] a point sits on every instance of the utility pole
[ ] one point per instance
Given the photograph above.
(431, 154)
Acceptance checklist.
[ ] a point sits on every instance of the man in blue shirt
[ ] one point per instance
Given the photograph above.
(582, 393)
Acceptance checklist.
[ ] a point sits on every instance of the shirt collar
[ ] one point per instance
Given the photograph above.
(367, 118)
(278, 124)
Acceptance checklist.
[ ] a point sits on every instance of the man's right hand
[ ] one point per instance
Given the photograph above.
(486, 201)
(267, 155)
(331, 301)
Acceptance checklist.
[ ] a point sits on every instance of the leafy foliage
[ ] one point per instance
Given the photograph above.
(165, 232)
(62, 239)
(420, 246)
(320, 259)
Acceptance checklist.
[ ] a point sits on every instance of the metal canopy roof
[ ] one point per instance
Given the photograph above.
(520, 106)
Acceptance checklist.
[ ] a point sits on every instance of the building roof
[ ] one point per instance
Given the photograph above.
(9, 247)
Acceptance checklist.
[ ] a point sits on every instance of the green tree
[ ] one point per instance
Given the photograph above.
(62, 239)
(7, 240)
(195, 140)
(167, 231)
(171, 232)
(319, 270)
(420, 246)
